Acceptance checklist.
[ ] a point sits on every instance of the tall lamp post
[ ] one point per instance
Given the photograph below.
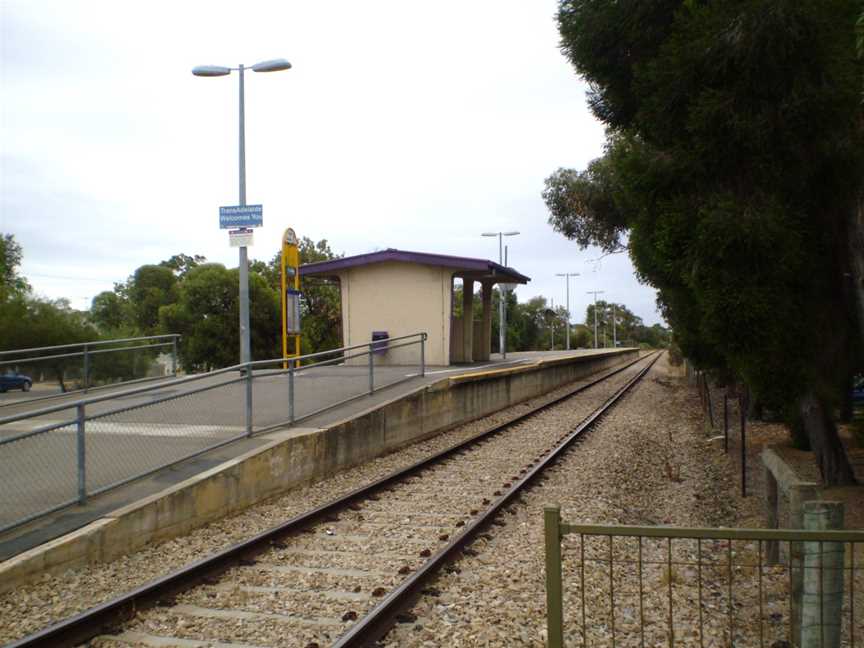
(567, 276)
(274, 65)
(595, 293)
(501, 332)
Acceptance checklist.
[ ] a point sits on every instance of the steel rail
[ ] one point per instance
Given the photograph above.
(378, 622)
(105, 616)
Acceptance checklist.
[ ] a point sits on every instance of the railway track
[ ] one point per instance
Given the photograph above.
(343, 573)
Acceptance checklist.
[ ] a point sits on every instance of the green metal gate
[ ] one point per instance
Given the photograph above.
(649, 586)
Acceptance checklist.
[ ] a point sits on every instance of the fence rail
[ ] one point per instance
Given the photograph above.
(93, 370)
(650, 586)
(64, 453)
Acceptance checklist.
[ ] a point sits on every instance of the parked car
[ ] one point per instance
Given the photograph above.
(15, 381)
(858, 390)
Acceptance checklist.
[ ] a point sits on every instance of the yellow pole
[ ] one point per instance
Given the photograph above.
(290, 280)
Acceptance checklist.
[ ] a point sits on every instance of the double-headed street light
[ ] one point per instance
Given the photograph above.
(567, 275)
(274, 65)
(595, 293)
(501, 332)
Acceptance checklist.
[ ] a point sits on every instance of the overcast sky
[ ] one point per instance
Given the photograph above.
(402, 124)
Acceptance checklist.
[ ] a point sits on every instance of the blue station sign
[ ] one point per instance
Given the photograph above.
(241, 216)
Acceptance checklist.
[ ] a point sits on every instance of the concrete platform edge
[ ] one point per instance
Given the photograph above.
(296, 456)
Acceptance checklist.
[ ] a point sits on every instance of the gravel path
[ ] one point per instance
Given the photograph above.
(37, 605)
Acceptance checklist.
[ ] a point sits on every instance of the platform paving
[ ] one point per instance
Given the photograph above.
(148, 434)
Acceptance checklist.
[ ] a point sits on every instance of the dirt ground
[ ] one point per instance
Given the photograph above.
(759, 435)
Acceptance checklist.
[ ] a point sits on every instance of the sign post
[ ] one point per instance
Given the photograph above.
(240, 218)
(290, 298)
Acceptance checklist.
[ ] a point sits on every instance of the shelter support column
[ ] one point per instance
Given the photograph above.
(486, 339)
(467, 319)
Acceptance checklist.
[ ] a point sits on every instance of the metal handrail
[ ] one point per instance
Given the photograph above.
(78, 421)
(94, 343)
(78, 354)
(188, 379)
(423, 336)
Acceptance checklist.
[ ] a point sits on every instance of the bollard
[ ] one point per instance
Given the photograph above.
(554, 589)
(822, 595)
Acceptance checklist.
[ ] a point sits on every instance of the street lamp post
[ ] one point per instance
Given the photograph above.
(501, 333)
(274, 65)
(567, 276)
(595, 293)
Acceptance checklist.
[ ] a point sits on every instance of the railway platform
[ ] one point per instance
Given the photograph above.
(233, 476)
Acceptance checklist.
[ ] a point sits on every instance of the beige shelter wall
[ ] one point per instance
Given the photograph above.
(400, 298)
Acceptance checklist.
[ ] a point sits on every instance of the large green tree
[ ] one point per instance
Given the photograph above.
(150, 288)
(733, 175)
(206, 314)
(12, 284)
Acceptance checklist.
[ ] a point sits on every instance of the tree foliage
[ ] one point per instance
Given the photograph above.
(12, 284)
(320, 304)
(184, 294)
(734, 161)
(206, 313)
(629, 329)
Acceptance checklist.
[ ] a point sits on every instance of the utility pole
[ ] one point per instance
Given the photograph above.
(614, 331)
(595, 293)
(567, 276)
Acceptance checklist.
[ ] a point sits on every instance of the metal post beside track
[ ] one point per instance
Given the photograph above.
(86, 368)
(174, 356)
(371, 369)
(248, 399)
(291, 391)
(742, 404)
(554, 596)
(422, 356)
(82, 453)
(708, 400)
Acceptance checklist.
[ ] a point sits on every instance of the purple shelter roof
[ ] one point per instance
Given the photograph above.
(475, 268)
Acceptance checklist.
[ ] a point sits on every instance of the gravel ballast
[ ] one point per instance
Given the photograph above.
(648, 462)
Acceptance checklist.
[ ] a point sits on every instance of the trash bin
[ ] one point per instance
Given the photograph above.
(379, 344)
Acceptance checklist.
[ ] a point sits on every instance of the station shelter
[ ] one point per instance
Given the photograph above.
(395, 293)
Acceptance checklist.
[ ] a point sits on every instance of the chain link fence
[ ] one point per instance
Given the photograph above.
(54, 371)
(62, 454)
